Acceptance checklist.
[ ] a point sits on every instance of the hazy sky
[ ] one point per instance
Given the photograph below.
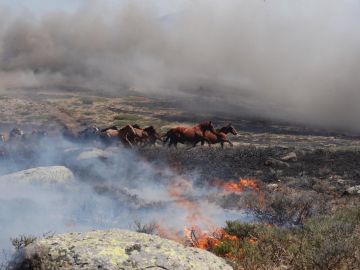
(41, 6)
(296, 60)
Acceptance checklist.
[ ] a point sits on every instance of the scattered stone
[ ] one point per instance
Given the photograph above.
(273, 187)
(113, 249)
(272, 162)
(41, 175)
(355, 190)
(290, 157)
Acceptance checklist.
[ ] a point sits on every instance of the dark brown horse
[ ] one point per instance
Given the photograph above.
(90, 133)
(220, 136)
(147, 136)
(128, 135)
(191, 135)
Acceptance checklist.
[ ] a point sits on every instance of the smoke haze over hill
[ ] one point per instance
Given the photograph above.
(289, 60)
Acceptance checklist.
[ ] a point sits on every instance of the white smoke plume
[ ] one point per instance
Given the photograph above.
(105, 194)
(290, 60)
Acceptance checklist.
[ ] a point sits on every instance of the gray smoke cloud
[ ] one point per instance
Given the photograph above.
(289, 60)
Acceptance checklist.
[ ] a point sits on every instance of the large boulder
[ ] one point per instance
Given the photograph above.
(113, 249)
(40, 175)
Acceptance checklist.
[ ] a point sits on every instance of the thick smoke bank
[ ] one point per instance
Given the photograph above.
(290, 60)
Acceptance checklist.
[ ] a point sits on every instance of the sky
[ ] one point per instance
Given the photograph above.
(295, 60)
(43, 6)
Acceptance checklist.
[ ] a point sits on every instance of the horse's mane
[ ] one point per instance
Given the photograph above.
(223, 129)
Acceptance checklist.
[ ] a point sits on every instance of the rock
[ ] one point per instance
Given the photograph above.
(273, 187)
(355, 190)
(41, 175)
(272, 162)
(113, 249)
(289, 157)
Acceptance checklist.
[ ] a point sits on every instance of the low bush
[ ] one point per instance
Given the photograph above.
(323, 242)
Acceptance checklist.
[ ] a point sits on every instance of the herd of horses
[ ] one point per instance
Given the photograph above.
(135, 136)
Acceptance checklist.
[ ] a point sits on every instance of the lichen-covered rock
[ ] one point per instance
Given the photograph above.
(113, 249)
(41, 175)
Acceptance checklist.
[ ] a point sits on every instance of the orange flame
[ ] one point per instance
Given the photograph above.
(241, 186)
(205, 240)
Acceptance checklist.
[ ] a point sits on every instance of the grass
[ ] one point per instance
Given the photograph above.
(323, 242)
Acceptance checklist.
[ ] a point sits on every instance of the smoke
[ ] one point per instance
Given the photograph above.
(111, 193)
(288, 60)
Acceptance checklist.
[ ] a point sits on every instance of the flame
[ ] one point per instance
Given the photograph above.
(205, 240)
(238, 187)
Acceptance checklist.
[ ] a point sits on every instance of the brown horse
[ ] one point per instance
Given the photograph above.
(192, 135)
(146, 136)
(109, 135)
(220, 136)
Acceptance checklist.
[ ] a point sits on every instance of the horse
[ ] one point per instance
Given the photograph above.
(109, 134)
(128, 135)
(153, 136)
(192, 135)
(16, 134)
(90, 133)
(146, 136)
(220, 136)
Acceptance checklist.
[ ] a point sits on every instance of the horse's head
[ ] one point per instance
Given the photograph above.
(231, 129)
(207, 126)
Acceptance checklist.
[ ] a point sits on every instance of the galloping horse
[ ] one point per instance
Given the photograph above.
(220, 136)
(146, 136)
(192, 135)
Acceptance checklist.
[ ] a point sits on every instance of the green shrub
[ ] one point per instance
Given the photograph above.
(323, 242)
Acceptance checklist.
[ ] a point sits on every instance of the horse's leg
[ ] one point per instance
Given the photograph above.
(171, 142)
(228, 141)
(166, 139)
(222, 145)
(127, 141)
